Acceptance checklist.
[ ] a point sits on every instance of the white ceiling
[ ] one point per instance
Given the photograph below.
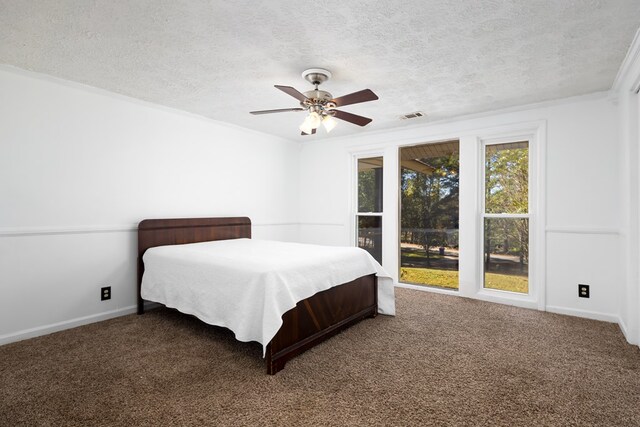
(220, 59)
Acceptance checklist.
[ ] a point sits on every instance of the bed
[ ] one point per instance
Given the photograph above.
(312, 320)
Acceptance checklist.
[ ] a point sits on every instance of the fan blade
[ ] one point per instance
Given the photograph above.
(355, 98)
(351, 118)
(293, 92)
(313, 131)
(281, 110)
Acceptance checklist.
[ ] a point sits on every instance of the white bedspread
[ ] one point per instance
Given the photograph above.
(247, 285)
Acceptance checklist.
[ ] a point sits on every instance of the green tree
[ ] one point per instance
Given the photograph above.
(368, 195)
(507, 191)
(430, 201)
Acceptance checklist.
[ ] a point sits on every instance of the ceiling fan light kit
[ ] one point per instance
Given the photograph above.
(321, 105)
(329, 123)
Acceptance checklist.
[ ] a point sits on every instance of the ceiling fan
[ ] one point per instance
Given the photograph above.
(321, 105)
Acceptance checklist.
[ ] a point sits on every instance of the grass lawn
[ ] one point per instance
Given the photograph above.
(449, 279)
(426, 276)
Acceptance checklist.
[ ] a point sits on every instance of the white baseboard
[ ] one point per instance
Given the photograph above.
(631, 339)
(73, 323)
(623, 328)
(584, 313)
(67, 324)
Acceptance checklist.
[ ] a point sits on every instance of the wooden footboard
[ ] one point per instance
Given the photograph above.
(312, 321)
(321, 316)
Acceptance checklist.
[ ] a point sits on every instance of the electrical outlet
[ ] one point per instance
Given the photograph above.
(105, 293)
(583, 291)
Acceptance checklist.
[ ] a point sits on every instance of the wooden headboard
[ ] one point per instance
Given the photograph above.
(161, 232)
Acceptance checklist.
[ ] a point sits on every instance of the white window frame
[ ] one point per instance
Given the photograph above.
(428, 288)
(535, 296)
(471, 241)
(353, 211)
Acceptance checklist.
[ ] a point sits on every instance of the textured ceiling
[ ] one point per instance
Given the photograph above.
(220, 59)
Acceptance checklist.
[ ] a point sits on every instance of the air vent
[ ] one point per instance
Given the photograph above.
(413, 115)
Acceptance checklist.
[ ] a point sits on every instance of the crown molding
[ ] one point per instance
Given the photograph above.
(96, 91)
(628, 77)
(428, 126)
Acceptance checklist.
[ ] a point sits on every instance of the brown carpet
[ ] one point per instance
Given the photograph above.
(442, 361)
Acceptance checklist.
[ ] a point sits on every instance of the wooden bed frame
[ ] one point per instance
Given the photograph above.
(312, 321)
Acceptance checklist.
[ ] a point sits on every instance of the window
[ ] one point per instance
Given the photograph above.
(506, 217)
(369, 209)
(429, 214)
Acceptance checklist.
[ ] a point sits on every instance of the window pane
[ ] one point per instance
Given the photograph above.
(507, 178)
(506, 254)
(370, 235)
(370, 185)
(429, 214)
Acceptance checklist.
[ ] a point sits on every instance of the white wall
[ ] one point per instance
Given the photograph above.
(79, 168)
(580, 202)
(626, 87)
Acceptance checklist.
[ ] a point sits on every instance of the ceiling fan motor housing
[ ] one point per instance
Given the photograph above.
(317, 100)
(319, 95)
